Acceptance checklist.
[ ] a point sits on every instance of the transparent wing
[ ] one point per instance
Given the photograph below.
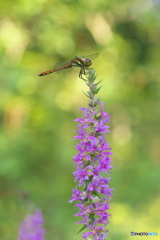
(58, 65)
(92, 56)
(61, 64)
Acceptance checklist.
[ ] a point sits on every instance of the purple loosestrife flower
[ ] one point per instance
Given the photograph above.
(92, 163)
(32, 227)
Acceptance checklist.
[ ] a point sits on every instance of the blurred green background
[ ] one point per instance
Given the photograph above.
(36, 113)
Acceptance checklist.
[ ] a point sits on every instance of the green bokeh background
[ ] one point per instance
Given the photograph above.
(36, 113)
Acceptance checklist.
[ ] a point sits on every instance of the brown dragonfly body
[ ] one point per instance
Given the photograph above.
(67, 65)
(81, 62)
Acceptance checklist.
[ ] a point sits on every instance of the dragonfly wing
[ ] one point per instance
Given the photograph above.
(92, 56)
(58, 65)
(62, 66)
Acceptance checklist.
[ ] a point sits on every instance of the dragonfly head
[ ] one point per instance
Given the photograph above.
(87, 62)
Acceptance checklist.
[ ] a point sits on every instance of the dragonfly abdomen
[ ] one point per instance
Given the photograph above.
(68, 65)
(47, 72)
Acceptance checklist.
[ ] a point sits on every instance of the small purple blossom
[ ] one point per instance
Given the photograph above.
(95, 231)
(32, 227)
(92, 163)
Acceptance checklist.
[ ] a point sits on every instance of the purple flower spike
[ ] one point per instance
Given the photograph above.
(92, 166)
(32, 227)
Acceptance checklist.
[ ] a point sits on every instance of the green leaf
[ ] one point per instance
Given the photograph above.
(96, 194)
(89, 180)
(89, 93)
(85, 200)
(98, 82)
(86, 94)
(84, 226)
(97, 90)
(92, 218)
(86, 164)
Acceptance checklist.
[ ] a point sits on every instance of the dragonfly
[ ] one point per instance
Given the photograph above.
(82, 62)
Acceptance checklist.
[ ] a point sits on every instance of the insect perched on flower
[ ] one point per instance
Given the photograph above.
(82, 62)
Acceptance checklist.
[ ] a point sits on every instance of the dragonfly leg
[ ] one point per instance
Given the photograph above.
(82, 72)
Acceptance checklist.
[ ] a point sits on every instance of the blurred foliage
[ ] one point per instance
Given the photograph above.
(36, 113)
